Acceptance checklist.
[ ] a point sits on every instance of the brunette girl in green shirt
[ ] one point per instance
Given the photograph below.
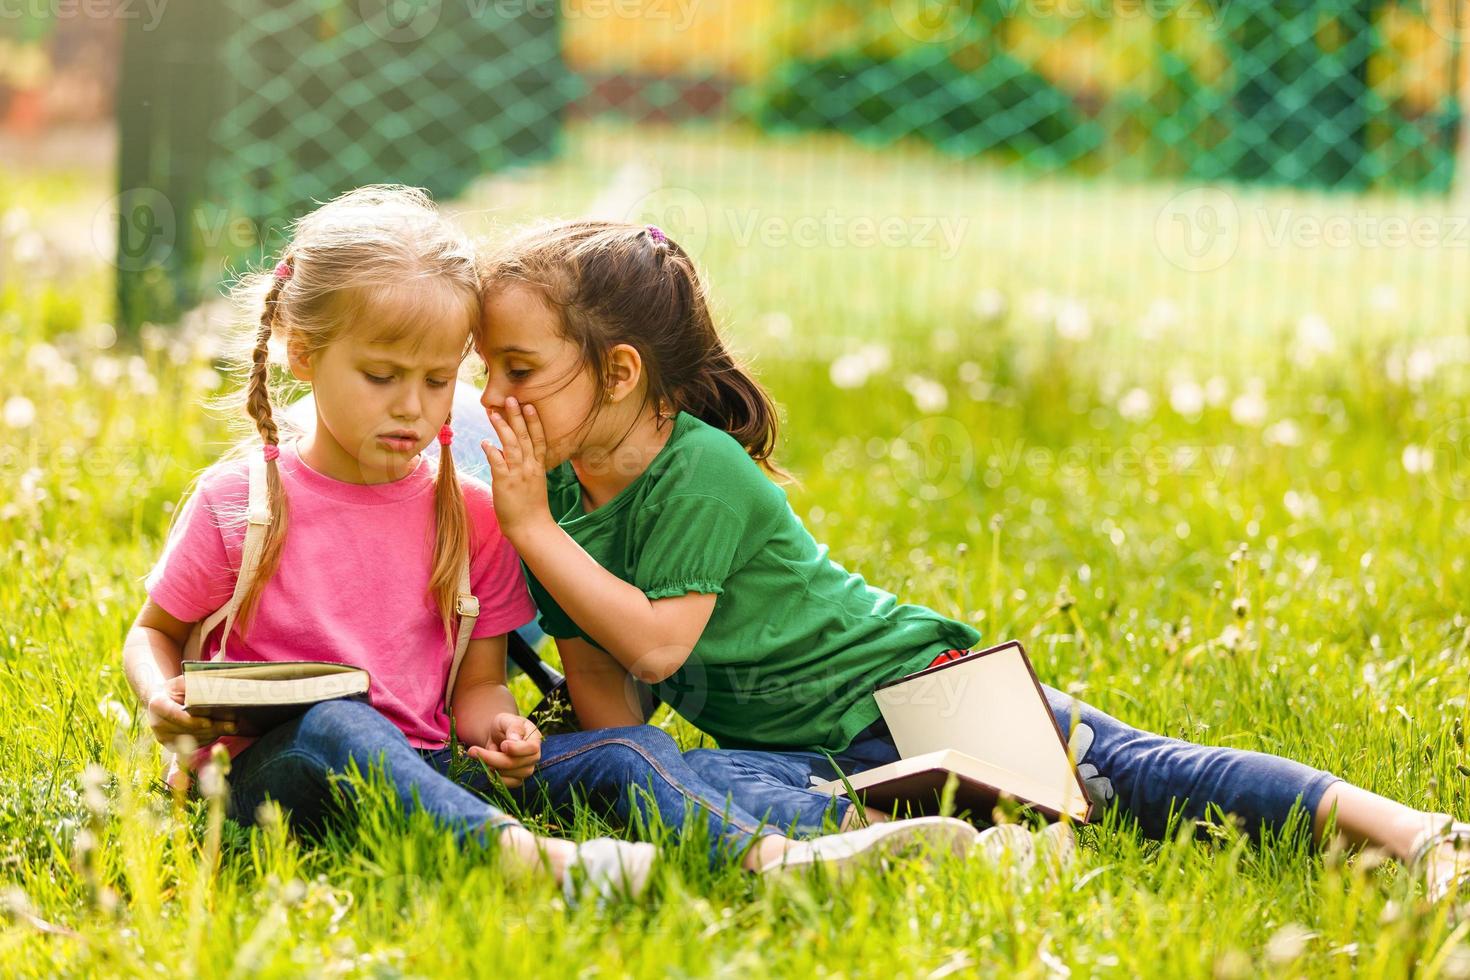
(633, 481)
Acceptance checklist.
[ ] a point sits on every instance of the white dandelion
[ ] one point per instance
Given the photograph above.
(1417, 459)
(1249, 408)
(989, 304)
(1136, 405)
(19, 412)
(929, 395)
(1073, 321)
(1187, 398)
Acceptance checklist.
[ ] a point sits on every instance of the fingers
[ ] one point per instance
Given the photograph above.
(494, 758)
(513, 726)
(513, 409)
(538, 434)
(510, 444)
(494, 457)
(511, 770)
(520, 750)
(169, 714)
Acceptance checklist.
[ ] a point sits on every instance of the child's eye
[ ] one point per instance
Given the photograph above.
(518, 374)
(436, 383)
(377, 379)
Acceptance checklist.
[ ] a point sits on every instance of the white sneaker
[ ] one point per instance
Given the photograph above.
(842, 853)
(1445, 871)
(1006, 843)
(605, 868)
(1056, 844)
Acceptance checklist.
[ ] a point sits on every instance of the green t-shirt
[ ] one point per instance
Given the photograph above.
(796, 644)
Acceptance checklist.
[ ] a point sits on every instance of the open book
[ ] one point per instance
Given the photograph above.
(984, 720)
(261, 695)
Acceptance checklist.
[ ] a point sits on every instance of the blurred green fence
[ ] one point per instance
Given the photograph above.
(253, 108)
(1330, 93)
(235, 115)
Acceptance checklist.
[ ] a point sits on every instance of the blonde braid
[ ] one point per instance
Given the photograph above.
(258, 404)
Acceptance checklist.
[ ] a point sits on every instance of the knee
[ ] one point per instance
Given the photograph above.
(645, 739)
(706, 762)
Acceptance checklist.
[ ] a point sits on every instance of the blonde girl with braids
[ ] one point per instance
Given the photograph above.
(369, 532)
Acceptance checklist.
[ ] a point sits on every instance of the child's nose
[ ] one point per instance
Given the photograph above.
(491, 399)
(409, 404)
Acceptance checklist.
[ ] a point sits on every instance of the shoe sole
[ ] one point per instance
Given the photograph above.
(933, 835)
(1007, 842)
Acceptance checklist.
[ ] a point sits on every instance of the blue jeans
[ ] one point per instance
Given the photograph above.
(626, 771)
(1147, 775)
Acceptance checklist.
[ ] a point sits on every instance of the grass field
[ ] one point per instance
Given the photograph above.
(1060, 423)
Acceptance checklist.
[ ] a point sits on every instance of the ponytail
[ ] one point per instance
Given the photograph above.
(451, 539)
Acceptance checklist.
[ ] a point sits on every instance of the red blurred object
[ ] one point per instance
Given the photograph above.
(25, 112)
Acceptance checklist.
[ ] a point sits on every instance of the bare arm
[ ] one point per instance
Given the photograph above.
(153, 665)
(650, 638)
(486, 717)
(602, 691)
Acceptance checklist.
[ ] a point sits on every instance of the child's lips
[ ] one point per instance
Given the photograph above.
(400, 441)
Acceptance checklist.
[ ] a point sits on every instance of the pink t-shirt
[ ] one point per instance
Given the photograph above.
(352, 585)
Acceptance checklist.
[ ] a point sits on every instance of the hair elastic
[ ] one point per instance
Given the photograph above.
(446, 435)
(271, 452)
(656, 233)
(283, 270)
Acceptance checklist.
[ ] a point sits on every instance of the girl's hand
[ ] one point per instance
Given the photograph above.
(168, 720)
(513, 749)
(518, 467)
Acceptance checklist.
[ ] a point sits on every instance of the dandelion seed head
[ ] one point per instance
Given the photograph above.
(1417, 459)
(19, 412)
(1187, 398)
(1384, 298)
(928, 395)
(1136, 405)
(1249, 408)
(1073, 320)
(1288, 943)
(989, 304)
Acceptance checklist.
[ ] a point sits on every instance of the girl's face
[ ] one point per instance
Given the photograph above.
(527, 358)
(379, 404)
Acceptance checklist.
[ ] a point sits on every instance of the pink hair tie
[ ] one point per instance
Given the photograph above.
(446, 435)
(656, 233)
(271, 452)
(283, 270)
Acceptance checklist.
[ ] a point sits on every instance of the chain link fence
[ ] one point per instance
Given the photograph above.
(236, 114)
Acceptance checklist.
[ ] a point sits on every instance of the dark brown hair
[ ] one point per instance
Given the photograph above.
(612, 283)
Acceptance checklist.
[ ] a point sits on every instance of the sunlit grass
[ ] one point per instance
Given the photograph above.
(1015, 446)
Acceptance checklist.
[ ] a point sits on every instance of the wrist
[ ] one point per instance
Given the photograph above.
(528, 529)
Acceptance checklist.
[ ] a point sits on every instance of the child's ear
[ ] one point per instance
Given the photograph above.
(624, 371)
(298, 360)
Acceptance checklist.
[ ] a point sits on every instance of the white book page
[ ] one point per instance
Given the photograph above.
(985, 707)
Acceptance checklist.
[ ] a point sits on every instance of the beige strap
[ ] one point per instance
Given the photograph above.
(258, 519)
(467, 605)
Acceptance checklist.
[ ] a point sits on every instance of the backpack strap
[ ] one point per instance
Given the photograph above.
(258, 519)
(467, 605)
